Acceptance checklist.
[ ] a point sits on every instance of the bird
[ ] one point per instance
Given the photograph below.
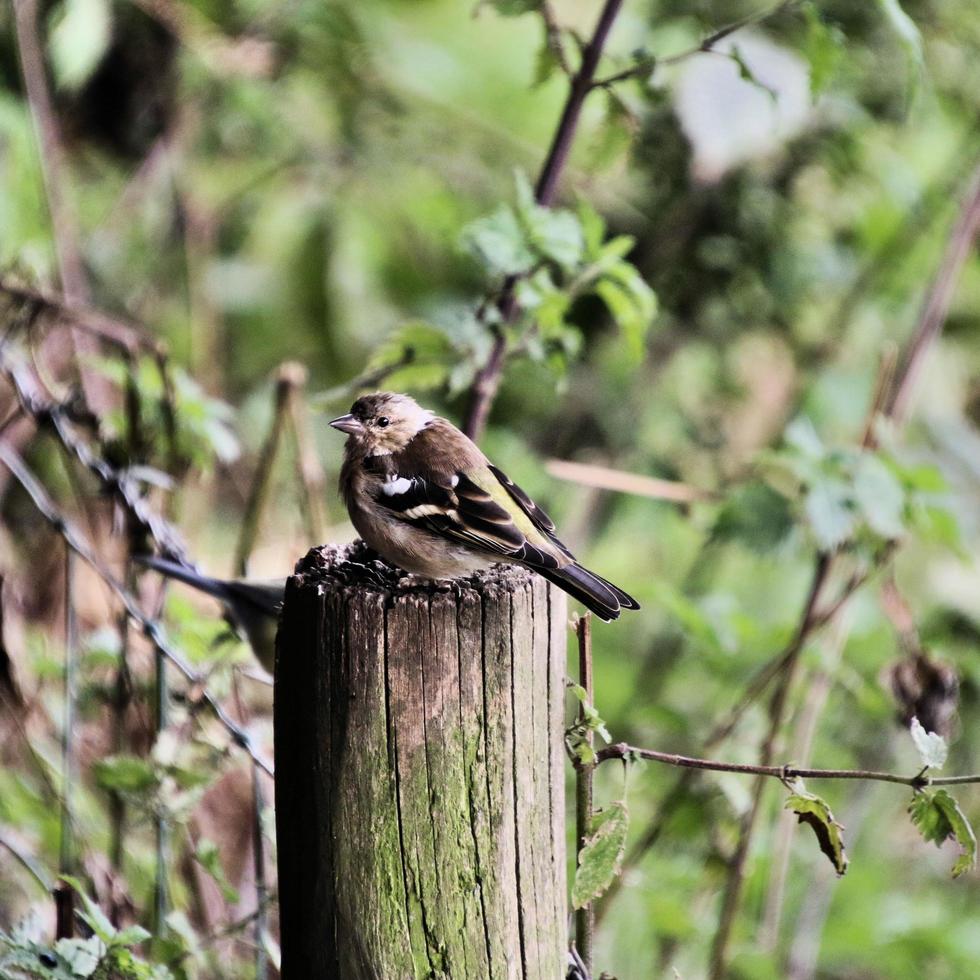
(426, 498)
(252, 605)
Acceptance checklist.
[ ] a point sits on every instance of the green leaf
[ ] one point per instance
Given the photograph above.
(499, 242)
(417, 355)
(125, 773)
(931, 746)
(97, 919)
(880, 496)
(591, 717)
(593, 228)
(78, 40)
(631, 302)
(813, 811)
(601, 857)
(81, 956)
(208, 856)
(938, 818)
(802, 436)
(823, 48)
(830, 514)
(937, 524)
(555, 234)
(131, 936)
(545, 62)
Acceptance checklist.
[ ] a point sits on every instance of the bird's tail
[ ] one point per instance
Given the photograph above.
(185, 574)
(593, 591)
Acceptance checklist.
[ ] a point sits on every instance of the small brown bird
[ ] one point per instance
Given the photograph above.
(422, 495)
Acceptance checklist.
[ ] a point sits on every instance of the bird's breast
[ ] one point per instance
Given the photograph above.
(413, 549)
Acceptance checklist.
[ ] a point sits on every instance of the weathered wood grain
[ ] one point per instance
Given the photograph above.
(419, 774)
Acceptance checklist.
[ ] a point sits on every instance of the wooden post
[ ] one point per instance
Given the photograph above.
(420, 802)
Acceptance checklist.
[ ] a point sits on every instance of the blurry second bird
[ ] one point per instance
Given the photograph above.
(252, 605)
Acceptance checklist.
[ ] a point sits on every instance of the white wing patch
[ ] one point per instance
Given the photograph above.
(424, 510)
(393, 486)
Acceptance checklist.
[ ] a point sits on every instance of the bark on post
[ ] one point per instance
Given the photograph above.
(420, 799)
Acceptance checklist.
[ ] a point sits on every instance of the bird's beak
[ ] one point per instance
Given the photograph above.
(347, 423)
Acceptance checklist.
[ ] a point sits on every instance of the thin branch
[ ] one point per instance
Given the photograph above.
(488, 378)
(309, 472)
(10, 693)
(584, 779)
(52, 151)
(607, 478)
(777, 713)
(816, 618)
(286, 381)
(646, 65)
(64, 901)
(28, 861)
(151, 628)
(64, 223)
(261, 885)
(127, 335)
(817, 686)
(936, 306)
(118, 482)
(621, 751)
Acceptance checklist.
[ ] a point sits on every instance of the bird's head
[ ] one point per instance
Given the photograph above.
(382, 423)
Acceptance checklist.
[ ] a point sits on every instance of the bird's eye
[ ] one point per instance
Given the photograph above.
(383, 421)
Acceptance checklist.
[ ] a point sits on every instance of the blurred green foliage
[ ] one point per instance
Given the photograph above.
(740, 238)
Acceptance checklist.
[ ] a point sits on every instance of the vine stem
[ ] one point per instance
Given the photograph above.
(64, 894)
(622, 750)
(487, 379)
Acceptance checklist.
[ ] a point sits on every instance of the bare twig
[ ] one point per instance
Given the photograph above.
(10, 693)
(28, 861)
(66, 237)
(936, 306)
(150, 628)
(487, 379)
(308, 469)
(118, 482)
(261, 886)
(74, 280)
(123, 334)
(646, 65)
(584, 778)
(621, 750)
(64, 895)
(161, 891)
(286, 381)
(777, 713)
(607, 478)
(817, 686)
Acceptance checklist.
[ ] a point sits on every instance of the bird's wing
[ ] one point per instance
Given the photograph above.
(536, 515)
(476, 508)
